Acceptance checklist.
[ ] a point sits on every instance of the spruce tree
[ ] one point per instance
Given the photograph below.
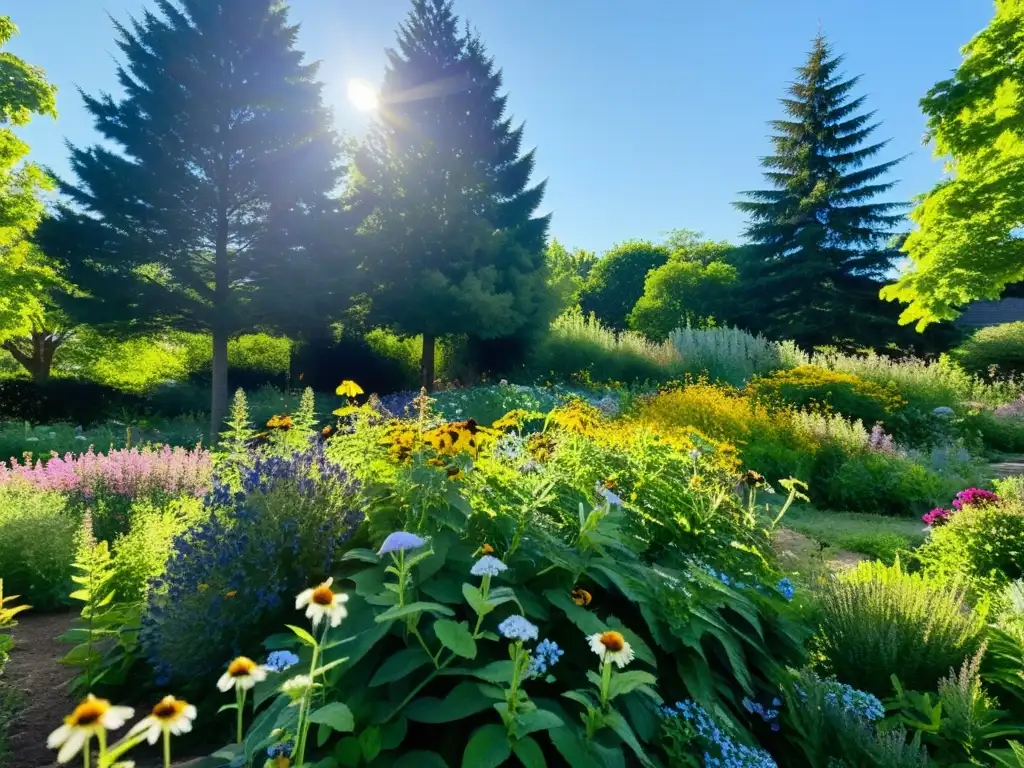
(218, 156)
(453, 243)
(819, 239)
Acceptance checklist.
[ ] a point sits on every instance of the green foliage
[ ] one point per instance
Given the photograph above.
(568, 272)
(729, 355)
(808, 386)
(449, 166)
(827, 734)
(982, 543)
(247, 212)
(8, 622)
(819, 247)
(882, 538)
(877, 619)
(964, 246)
(37, 545)
(688, 291)
(997, 350)
(583, 349)
(617, 280)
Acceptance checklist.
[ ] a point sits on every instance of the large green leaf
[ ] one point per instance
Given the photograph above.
(488, 747)
(476, 599)
(336, 715)
(412, 609)
(572, 745)
(399, 665)
(258, 737)
(495, 672)
(630, 680)
(537, 720)
(465, 699)
(456, 638)
(618, 724)
(529, 753)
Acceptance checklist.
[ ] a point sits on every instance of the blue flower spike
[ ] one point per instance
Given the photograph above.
(279, 661)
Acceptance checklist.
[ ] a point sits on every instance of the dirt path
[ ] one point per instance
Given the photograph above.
(1012, 466)
(34, 672)
(796, 551)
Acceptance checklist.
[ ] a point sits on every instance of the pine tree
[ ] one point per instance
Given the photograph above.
(819, 247)
(217, 157)
(453, 243)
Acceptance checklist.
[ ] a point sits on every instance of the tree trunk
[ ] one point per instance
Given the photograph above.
(221, 325)
(38, 359)
(427, 362)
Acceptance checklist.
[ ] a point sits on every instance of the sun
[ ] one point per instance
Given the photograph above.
(363, 96)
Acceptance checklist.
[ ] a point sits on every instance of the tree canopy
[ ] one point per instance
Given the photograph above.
(617, 280)
(968, 243)
(216, 157)
(453, 243)
(818, 237)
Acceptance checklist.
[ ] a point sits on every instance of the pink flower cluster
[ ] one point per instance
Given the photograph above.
(974, 497)
(126, 472)
(1011, 410)
(937, 516)
(969, 497)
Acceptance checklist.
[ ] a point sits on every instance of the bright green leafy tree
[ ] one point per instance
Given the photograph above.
(25, 278)
(819, 239)
(690, 289)
(569, 271)
(453, 244)
(968, 243)
(218, 154)
(617, 280)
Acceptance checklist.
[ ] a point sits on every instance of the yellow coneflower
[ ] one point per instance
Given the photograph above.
(243, 673)
(322, 602)
(612, 648)
(88, 719)
(170, 715)
(348, 388)
(280, 422)
(454, 473)
(581, 597)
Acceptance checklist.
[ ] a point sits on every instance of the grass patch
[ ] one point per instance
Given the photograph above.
(10, 704)
(873, 535)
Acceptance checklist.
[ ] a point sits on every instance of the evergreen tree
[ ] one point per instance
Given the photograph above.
(218, 158)
(453, 245)
(819, 240)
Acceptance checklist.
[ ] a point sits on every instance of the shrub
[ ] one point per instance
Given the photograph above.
(997, 350)
(982, 542)
(580, 347)
(809, 386)
(729, 355)
(37, 545)
(1004, 434)
(878, 619)
(231, 575)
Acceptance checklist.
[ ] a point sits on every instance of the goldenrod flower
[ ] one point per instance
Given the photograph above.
(348, 389)
(581, 597)
(322, 602)
(611, 647)
(170, 715)
(486, 549)
(243, 673)
(280, 422)
(88, 719)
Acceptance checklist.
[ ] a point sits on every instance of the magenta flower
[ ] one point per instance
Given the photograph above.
(974, 497)
(936, 517)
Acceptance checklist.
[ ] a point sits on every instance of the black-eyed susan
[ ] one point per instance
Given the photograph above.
(280, 422)
(243, 673)
(322, 602)
(454, 473)
(612, 648)
(90, 718)
(169, 716)
(581, 597)
(348, 388)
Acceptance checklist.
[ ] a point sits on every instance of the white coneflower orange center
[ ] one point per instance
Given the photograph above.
(169, 708)
(322, 595)
(241, 667)
(613, 641)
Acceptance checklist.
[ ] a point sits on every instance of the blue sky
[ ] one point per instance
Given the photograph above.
(647, 115)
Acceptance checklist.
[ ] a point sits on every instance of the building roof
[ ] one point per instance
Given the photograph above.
(982, 314)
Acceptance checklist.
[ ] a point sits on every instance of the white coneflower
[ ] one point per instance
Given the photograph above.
(170, 715)
(611, 646)
(323, 602)
(88, 719)
(243, 673)
(296, 687)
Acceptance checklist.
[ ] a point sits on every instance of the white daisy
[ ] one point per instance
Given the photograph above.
(88, 719)
(322, 602)
(169, 715)
(612, 647)
(242, 673)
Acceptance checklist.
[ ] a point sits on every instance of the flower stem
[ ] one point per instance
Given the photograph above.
(307, 702)
(87, 751)
(167, 748)
(240, 699)
(606, 679)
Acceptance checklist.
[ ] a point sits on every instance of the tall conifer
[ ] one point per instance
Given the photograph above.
(819, 239)
(198, 199)
(454, 243)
